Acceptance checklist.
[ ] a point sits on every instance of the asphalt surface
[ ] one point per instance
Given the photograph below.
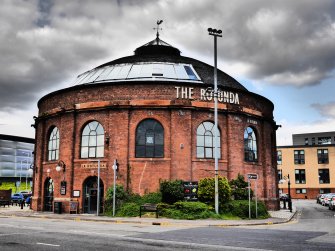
(277, 217)
(312, 227)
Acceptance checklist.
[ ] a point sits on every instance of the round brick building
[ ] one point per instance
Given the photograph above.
(153, 112)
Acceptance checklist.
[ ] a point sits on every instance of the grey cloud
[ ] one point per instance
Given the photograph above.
(280, 42)
(44, 7)
(327, 110)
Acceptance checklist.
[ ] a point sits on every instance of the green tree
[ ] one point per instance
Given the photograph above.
(240, 188)
(172, 191)
(120, 196)
(206, 190)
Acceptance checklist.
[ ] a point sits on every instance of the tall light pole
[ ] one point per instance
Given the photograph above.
(289, 193)
(216, 33)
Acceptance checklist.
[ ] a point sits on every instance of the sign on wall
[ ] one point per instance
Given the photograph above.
(190, 190)
(63, 188)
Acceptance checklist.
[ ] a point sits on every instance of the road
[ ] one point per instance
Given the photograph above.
(313, 229)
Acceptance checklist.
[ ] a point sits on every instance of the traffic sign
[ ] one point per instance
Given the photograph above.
(252, 176)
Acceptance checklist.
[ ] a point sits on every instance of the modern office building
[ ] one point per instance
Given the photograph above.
(153, 112)
(309, 163)
(16, 159)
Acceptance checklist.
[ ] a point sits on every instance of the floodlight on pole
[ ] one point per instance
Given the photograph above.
(216, 33)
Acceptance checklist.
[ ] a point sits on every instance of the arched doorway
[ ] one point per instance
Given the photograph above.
(90, 193)
(48, 194)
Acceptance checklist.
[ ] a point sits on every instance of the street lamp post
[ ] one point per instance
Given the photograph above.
(289, 193)
(216, 33)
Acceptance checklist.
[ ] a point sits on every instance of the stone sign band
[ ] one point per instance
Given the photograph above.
(93, 165)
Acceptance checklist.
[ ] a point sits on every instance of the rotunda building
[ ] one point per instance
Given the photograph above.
(153, 112)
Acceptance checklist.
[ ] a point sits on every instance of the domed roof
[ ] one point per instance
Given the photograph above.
(157, 61)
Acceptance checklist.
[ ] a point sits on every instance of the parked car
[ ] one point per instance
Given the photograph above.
(322, 198)
(25, 194)
(283, 197)
(28, 200)
(327, 198)
(17, 198)
(318, 198)
(332, 203)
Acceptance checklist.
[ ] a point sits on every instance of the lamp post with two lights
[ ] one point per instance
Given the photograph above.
(216, 33)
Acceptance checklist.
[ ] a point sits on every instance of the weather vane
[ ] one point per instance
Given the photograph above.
(158, 23)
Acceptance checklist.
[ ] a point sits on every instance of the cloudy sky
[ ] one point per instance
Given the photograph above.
(283, 50)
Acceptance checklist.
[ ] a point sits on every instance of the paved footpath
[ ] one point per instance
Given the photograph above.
(277, 217)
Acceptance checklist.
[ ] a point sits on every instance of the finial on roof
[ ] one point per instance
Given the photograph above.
(157, 34)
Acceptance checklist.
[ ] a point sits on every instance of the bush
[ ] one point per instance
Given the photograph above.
(129, 210)
(186, 210)
(240, 208)
(172, 191)
(190, 207)
(152, 198)
(120, 196)
(206, 190)
(240, 188)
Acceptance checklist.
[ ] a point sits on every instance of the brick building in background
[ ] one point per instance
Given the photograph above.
(153, 112)
(310, 164)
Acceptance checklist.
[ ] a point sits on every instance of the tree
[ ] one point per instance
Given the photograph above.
(172, 191)
(206, 190)
(240, 188)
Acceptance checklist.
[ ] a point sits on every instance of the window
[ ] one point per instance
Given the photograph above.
(324, 140)
(92, 140)
(322, 156)
(300, 190)
(324, 176)
(299, 157)
(250, 145)
(313, 141)
(300, 176)
(279, 157)
(149, 139)
(280, 175)
(306, 141)
(53, 145)
(324, 190)
(205, 141)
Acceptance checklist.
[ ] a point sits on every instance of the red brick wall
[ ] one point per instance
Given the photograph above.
(120, 108)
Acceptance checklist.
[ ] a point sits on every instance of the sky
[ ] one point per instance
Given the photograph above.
(283, 50)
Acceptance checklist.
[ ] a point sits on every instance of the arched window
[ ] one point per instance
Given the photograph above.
(205, 141)
(250, 145)
(53, 144)
(92, 140)
(149, 139)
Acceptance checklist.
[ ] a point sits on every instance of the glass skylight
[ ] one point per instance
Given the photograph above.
(139, 72)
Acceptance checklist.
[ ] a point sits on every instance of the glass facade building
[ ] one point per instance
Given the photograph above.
(16, 158)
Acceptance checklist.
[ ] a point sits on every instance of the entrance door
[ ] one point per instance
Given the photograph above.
(91, 195)
(48, 194)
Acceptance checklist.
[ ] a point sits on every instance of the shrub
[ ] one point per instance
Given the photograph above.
(240, 208)
(152, 198)
(129, 210)
(190, 207)
(186, 210)
(120, 196)
(240, 188)
(172, 191)
(134, 198)
(206, 190)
